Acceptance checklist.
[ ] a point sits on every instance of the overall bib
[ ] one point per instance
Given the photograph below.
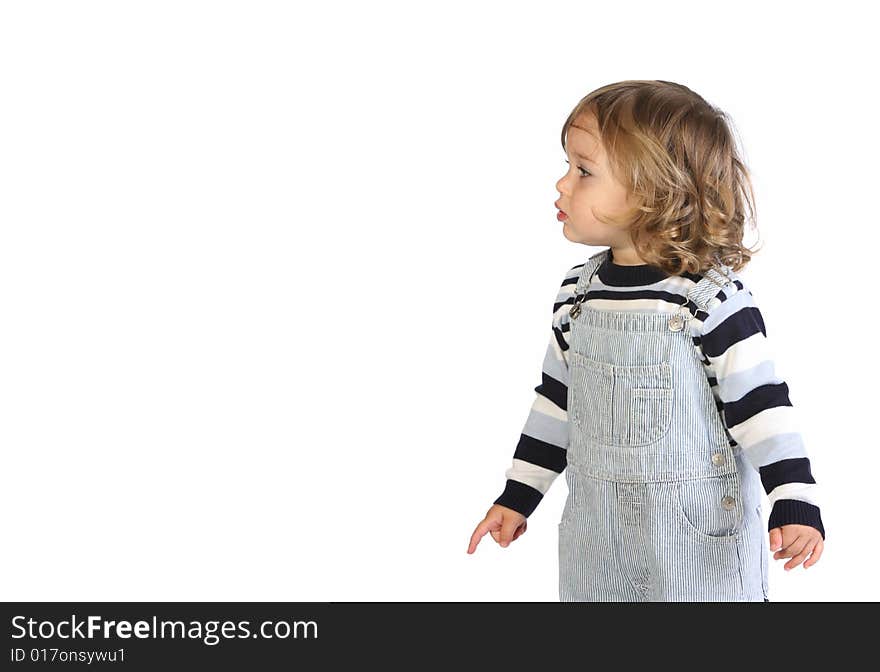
(662, 504)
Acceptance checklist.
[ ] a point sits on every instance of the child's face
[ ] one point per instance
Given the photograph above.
(587, 187)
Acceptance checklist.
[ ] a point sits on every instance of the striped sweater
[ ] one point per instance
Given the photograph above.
(731, 342)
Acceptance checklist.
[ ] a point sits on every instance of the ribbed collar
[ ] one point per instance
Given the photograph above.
(629, 276)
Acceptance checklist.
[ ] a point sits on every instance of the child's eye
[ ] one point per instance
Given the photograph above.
(583, 170)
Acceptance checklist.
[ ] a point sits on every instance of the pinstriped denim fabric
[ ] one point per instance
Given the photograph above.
(661, 506)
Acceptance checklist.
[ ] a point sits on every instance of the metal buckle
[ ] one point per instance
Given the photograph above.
(679, 319)
(581, 297)
(576, 307)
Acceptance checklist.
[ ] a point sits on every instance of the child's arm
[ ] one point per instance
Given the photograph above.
(540, 455)
(757, 410)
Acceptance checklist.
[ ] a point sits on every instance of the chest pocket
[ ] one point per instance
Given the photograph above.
(620, 405)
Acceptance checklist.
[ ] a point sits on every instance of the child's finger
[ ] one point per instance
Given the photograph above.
(800, 557)
(507, 530)
(791, 541)
(475, 538)
(478, 534)
(817, 551)
(792, 549)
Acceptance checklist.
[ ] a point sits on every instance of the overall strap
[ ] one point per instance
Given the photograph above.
(591, 265)
(707, 288)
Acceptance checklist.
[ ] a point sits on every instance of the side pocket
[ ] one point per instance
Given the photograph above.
(570, 501)
(710, 509)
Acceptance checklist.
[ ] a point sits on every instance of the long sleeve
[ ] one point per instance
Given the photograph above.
(540, 455)
(756, 407)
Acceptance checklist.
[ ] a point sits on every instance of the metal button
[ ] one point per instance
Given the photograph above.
(718, 459)
(728, 502)
(676, 322)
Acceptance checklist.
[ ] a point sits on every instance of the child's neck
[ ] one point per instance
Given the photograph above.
(625, 256)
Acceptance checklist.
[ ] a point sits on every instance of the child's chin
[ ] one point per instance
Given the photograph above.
(574, 238)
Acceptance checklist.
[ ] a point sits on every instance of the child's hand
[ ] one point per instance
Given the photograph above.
(504, 524)
(796, 542)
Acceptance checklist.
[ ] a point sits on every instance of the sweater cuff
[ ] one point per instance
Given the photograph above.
(520, 497)
(795, 512)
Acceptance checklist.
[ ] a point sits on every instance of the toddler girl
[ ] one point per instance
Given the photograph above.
(658, 396)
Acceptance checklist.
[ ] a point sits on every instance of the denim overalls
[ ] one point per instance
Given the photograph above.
(662, 504)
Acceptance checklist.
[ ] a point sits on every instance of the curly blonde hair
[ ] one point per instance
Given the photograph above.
(676, 155)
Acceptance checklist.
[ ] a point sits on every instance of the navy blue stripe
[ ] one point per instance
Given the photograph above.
(558, 304)
(737, 327)
(520, 497)
(642, 274)
(795, 512)
(791, 470)
(554, 390)
(643, 294)
(755, 401)
(547, 455)
(560, 339)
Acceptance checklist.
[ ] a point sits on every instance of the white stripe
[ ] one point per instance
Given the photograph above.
(761, 426)
(741, 356)
(546, 407)
(804, 492)
(633, 304)
(531, 474)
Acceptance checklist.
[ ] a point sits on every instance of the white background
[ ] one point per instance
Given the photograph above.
(277, 281)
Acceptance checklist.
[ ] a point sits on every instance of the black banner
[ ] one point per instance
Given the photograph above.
(252, 635)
